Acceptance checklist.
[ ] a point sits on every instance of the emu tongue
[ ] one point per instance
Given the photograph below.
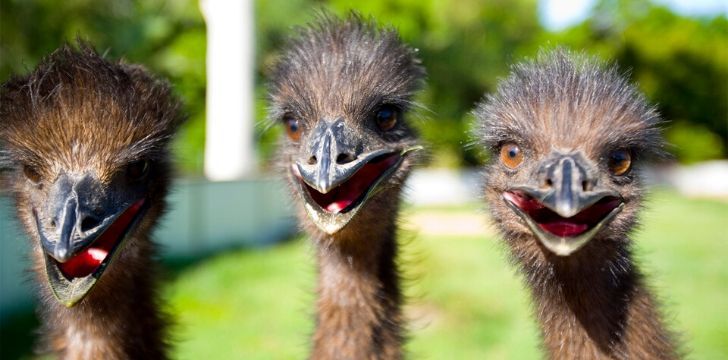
(581, 222)
(564, 227)
(343, 196)
(88, 260)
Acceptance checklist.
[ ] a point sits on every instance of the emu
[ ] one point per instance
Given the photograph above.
(567, 138)
(85, 156)
(341, 90)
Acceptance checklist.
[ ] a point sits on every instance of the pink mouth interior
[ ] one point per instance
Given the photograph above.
(343, 196)
(88, 260)
(553, 223)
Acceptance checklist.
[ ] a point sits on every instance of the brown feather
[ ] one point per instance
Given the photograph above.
(592, 304)
(347, 68)
(79, 112)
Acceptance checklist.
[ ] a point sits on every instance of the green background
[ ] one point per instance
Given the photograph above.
(681, 63)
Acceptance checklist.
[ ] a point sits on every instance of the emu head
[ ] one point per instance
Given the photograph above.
(566, 138)
(84, 145)
(341, 90)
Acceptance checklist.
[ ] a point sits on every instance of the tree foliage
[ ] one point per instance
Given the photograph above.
(166, 36)
(681, 63)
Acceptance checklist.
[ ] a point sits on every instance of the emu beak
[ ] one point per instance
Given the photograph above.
(569, 211)
(80, 240)
(326, 176)
(336, 178)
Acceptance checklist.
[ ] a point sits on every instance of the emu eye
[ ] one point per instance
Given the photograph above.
(137, 170)
(619, 162)
(31, 174)
(293, 129)
(387, 117)
(511, 155)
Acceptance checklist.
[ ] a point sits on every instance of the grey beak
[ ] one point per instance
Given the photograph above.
(63, 250)
(73, 222)
(335, 154)
(569, 188)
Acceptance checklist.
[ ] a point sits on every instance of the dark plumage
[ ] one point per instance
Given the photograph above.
(568, 138)
(85, 152)
(341, 89)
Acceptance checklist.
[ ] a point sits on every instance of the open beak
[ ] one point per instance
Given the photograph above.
(78, 243)
(568, 213)
(336, 179)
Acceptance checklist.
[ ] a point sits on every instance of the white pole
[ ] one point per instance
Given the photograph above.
(229, 145)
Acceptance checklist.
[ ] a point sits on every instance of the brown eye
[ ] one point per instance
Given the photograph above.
(137, 170)
(619, 162)
(511, 155)
(31, 174)
(293, 129)
(387, 117)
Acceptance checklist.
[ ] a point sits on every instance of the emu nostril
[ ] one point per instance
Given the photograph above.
(549, 183)
(585, 185)
(89, 222)
(345, 158)
(53, 223)
(312, 160)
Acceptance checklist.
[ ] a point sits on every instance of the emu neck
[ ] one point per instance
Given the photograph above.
(595, 306)
(118, 319)
(358, 308)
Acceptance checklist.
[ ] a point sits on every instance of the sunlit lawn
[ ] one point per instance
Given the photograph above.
(465, 302)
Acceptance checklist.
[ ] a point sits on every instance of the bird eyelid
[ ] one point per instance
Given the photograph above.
(609, 150)
(401, 106)
(287, 115)
(31, 173)
(496, 147)
(138, 170)
(395, 108)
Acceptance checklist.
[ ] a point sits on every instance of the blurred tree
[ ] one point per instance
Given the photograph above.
(274, 21)
(680, 63)
(166, 36)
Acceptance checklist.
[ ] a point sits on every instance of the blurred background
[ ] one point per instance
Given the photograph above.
(239, 290)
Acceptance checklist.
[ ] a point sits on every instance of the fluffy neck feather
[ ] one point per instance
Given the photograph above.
(358, 306)
(594, 305)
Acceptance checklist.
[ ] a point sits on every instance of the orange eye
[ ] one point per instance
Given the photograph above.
(137, 170)
(387, 117)
(511, 155)
(31, 174)
(619, 162)
(293, 129)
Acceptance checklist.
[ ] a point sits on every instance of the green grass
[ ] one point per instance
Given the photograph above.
(683, 246)
(244, 305)
(464, 300)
